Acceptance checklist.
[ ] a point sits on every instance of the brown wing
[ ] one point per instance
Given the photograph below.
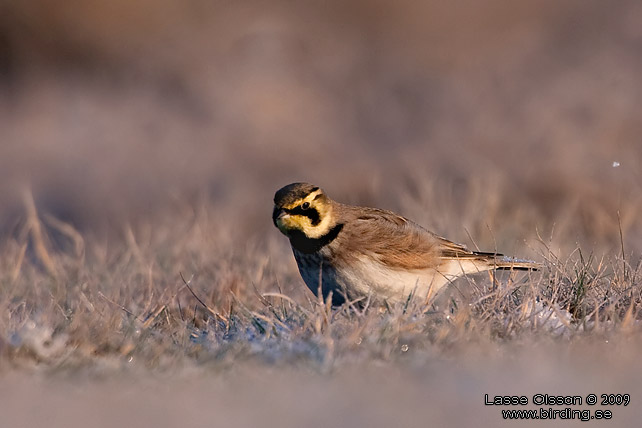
(399, 243)
(394, 240)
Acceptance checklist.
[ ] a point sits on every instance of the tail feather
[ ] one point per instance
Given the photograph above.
(502, 262)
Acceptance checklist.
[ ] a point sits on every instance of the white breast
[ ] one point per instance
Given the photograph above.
(370, 277)
(367, 277)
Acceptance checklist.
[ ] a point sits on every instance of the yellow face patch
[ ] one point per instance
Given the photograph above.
(289, 223)
(312, 220)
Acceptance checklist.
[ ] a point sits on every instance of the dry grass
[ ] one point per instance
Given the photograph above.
(166, 297)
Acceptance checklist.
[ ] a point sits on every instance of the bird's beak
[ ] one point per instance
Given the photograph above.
(278, 215)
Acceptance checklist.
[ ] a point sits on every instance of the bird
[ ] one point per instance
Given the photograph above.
(357, 254)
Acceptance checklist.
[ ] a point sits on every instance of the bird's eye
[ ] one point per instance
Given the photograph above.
(305, 205)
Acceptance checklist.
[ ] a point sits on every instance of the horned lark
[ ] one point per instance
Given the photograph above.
(355, 252)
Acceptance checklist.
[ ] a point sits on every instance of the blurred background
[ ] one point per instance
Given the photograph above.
(504, 119)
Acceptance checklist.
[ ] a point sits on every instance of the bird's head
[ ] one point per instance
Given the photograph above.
(302, 208)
